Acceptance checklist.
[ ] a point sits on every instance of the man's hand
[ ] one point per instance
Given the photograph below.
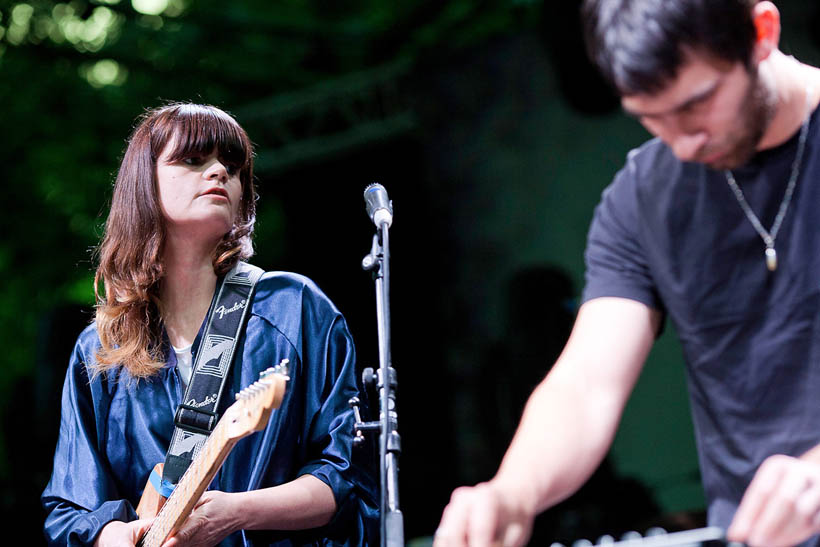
(214, 517)
(484, 516)
(781, 506)
(119, 534)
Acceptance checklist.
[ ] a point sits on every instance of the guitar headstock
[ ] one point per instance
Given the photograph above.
(254, 404)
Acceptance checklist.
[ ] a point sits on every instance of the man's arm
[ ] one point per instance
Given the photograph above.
(567, 427)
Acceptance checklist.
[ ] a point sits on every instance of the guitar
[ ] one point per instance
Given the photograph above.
(249, 413)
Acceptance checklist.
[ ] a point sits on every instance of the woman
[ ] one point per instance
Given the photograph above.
(181, 216)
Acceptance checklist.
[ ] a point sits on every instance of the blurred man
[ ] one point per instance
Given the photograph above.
(711, 224)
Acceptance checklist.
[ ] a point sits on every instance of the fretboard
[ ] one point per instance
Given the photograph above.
(190, 487)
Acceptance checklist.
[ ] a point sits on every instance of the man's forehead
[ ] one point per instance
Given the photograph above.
(697, 77)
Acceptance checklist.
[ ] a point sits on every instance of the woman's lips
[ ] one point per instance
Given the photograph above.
(216, 191)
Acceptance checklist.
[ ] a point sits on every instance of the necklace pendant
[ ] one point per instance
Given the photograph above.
(771, 259)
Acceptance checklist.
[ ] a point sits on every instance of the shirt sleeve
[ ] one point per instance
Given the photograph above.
(81, 496)
(616, 261)
(330, 433)
(312, 431)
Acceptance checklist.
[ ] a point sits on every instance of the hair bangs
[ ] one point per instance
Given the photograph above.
(198, 130)
(643, 63)
(638, 55)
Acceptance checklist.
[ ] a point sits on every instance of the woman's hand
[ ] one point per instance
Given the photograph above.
(214, 517)
(118, 534)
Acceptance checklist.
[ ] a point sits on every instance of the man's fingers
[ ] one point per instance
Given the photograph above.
(808, 505)
(479, 517)
(777, 518)
(452, 530)
(803, 518)
(754, 499)
(516, 535)
(482, 520)
(781, 506)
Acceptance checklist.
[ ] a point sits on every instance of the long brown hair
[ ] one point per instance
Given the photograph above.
(130, 267)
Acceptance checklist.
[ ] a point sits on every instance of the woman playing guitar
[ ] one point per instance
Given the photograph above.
(181, 218)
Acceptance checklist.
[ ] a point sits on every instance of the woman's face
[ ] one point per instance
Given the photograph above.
(199, 196)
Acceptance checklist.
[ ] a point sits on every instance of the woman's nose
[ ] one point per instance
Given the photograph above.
(216, 171)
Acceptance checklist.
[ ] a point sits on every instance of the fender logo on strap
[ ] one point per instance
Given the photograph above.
(208, 400)
(222, 310)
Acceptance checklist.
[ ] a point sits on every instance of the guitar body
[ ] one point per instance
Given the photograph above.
(151, 501)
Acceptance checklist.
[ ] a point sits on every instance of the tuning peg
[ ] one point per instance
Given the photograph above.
(282, 367)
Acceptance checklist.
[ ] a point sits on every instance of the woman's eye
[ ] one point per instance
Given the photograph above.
(232, 169)
(192, 161)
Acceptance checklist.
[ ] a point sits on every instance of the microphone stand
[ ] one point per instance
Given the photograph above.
(392, 521)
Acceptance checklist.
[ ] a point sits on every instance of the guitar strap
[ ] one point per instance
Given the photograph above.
(196, 416)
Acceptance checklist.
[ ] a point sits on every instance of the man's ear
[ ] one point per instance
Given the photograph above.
(766, 19)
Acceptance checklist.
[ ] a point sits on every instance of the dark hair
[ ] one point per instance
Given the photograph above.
(130, 267)
(639, 45)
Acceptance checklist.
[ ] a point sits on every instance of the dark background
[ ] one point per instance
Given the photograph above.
(494, 139)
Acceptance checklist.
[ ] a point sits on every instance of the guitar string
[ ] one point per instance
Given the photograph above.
(186, 484)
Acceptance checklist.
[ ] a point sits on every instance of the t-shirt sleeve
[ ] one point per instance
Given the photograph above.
(616, 260)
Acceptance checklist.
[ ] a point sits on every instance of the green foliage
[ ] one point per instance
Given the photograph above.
(74, 75)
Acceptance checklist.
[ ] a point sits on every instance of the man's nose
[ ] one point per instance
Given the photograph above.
(687, 146)
(686, 138)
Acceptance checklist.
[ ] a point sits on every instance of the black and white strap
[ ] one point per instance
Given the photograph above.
(197, 415)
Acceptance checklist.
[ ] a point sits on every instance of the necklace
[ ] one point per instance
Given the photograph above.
(769, 236)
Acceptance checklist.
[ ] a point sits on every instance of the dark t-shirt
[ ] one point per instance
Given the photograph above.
(672, 236)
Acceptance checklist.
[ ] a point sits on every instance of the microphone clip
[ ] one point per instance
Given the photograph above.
(371, 261)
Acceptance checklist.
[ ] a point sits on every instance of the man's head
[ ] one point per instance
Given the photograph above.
(688, 70)
(639, 45)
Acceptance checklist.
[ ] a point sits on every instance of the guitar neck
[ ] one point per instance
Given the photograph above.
(249, 413)
(190, 487)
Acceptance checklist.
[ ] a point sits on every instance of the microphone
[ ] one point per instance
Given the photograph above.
(379, 208)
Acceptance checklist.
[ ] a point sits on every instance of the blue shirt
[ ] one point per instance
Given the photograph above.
(672, 235)
(114, 430)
